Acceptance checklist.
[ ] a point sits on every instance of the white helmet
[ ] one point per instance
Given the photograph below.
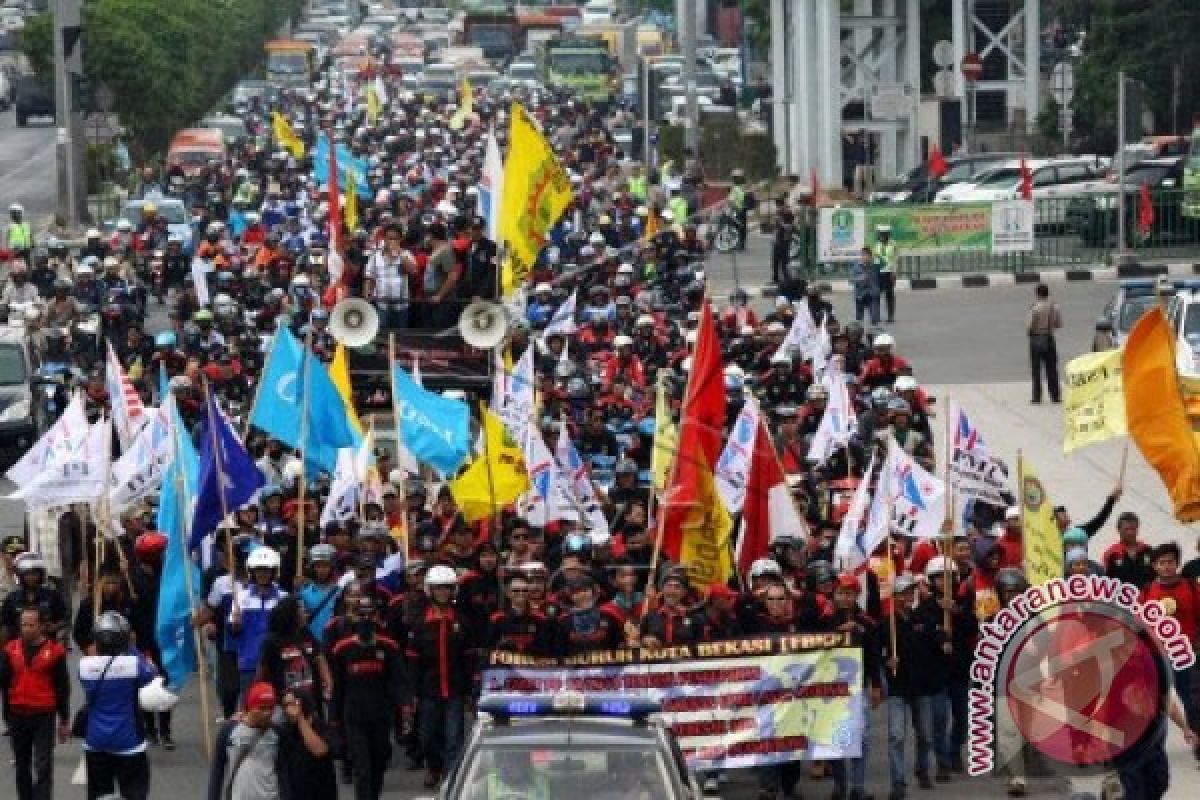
(884, 340)
(17, 208)
(440, 575)
(763, 567)
(396, 477)
(938, 565)
(905, 383)
(262, 558)
(124, 225)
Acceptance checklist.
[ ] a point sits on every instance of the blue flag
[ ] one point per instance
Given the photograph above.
(434, 429)
(347, 164)
(173, 623)
(278, 410)
(228, 475)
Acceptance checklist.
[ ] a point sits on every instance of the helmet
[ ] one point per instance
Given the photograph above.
(939, 564)
(262, 558)
(165, 339)
(321, 552)
(16, 208)
(1075, 537)
(149, 208)
(905, 383)
(124, 225)
(884, 340)
(440, 575)
(627, 466)
(577, 544)
(898, 406)
(150, 546)
(763, 567)
(92, 233)
(1076, 554)
(903, 583)
(817, 391)
(29, 562)
(111, 633)
(1011, 579)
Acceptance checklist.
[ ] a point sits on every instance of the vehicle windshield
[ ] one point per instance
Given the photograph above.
(1191, 320)
(1147, 176)
(523, 72)
(599, 774)
(1005, 178)
(292, 63)
(1134, 307)
(12, 366)
(584, 63)
(959, 172)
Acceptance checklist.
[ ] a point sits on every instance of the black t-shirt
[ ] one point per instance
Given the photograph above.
(303, 776)
(290, 663)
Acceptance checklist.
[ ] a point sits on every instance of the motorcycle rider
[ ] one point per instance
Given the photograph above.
(19, 291)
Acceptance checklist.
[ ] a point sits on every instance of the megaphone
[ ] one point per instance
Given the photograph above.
(354, 322)
(483, 325)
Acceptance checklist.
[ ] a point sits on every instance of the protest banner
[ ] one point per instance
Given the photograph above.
(917, 230)
(739, 703)
(1094, 400)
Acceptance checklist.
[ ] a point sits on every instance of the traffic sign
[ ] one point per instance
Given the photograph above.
(971, 67)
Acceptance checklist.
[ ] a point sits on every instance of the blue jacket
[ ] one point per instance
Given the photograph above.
(256, 609)
(113, 713)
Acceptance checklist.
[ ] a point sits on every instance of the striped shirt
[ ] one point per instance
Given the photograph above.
(388, 274)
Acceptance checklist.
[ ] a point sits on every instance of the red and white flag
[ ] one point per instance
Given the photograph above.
(767, 511)
(128, 412)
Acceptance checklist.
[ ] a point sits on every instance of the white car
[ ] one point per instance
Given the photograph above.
(1051, 178)
(1184, 312)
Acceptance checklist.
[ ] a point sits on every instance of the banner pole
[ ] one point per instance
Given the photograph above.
(219, 466)
(301, 522)
(948, 522)
(1021, 501)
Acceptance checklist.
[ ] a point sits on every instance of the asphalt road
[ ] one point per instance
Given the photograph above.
(28, 166)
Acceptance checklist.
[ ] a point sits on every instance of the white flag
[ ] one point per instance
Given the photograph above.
(513, 394)
(343, 491)
(733, 467)
(548, 499)
(75, 475)
(838, 423)
(803, 336)
(200, 269)
(974, 473)
(140, 469)
(563, 320)
(917, 498)
(128, 412)
(491, 187)
(64, 436)
(368, 474)
(854, 546)
(578, 482)
(381, 92)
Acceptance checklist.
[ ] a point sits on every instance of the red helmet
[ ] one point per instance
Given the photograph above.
(150, 546)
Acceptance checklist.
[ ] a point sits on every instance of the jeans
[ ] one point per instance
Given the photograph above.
(940, 729)
(33, 754)
(106, 771)
(866, 305)
(1185, 686)
(958, 711)
(1148, 777)
(441, 723)
(368, 749)
(901, 712)
(887, 286)
(1043, 356)
(851, 773)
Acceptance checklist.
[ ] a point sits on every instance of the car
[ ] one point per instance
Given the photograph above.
(246, 91)
(12, 19)
(1052, 179)
(179, 220)
(232, 128)
(917, 186)
(1134, 297)
(1092, 215)
(35, 98)
(1184, 313)
(18, 428)
(569, 745)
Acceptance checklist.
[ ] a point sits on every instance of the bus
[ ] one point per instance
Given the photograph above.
(495, 31)
(580, 64)
(290, 63)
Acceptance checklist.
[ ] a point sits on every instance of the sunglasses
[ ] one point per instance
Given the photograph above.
(519, 537)
(518, 591)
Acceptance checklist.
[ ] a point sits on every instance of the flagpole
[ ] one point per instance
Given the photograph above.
(948, 521)
(104, 505)
(362, 495)
(182, 504)
(487, 461)
(1021, 502)
(219, 466)
(303, 448)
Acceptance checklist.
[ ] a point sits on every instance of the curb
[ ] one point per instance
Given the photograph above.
(983, 280)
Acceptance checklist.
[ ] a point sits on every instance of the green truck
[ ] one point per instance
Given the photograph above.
(580, 64)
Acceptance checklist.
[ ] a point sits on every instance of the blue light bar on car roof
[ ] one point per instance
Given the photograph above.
(568, 704)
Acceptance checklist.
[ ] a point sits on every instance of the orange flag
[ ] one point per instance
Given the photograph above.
(1155, 412)
(694, 520)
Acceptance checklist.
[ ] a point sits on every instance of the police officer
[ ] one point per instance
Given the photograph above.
(32, 592)
(885, 260)
(18, 236)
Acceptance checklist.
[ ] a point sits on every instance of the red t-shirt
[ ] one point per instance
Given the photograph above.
(1011, 550)
(1180, 601)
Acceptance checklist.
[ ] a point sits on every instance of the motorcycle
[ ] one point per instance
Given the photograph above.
(725, 235)
(51, 388)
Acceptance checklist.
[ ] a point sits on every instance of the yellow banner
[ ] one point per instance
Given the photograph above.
(666, 439)
(705, 548)
(536, 192)
(466, 104)
(350, 208)
(285, 136)
(496, 478)
(1094, 403)
(1043, 548)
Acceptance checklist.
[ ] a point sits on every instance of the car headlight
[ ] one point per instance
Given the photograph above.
(18, 410)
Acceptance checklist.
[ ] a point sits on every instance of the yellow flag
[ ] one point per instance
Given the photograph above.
(1043, 547)
(496, 478)
(372, 104)
(1094, 403)
(285, 136)
(652, 224)
(466, 104)
(1156, 411)
(707, 527)
(339, 373)
(536, 192)
(350, 210)
(666, 439)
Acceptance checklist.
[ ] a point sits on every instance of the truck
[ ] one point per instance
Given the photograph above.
(537, 28)
(621, 39)
(495, 31)
(579, 63)
(290, 63)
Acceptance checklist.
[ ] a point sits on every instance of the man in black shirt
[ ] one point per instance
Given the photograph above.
(479, 276)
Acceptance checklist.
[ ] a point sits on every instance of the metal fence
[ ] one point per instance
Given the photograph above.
(1070, 232)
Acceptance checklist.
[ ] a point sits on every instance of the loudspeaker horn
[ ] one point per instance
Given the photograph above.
(354, 322)
(483, 325)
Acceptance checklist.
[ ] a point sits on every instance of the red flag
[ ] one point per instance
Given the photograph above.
(816, 186)
(937, 163)
(1025, 188)
(765, 514)
(701, 433)
(1145, 219)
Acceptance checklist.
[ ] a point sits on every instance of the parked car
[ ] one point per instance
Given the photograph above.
(35, 98)
(1051, 178)
(1093, 213)
(1133, 298)
(918, 186)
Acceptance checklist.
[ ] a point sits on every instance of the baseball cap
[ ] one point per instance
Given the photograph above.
(260, 697)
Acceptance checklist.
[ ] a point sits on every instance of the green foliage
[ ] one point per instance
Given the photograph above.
(1048, 119)
(166, 63)
(1147, 39)
(723, 148)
